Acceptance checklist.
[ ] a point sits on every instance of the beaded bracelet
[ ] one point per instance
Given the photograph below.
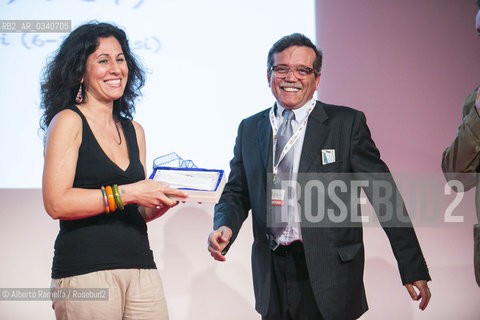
(116, 195)
(111, 199)
(105, 200)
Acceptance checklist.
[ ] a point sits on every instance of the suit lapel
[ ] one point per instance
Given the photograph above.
(264, 136)
(315, 135)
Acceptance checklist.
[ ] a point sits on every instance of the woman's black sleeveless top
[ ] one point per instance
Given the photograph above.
(117, 240)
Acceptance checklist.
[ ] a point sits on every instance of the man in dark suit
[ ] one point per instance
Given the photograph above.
(307, 262)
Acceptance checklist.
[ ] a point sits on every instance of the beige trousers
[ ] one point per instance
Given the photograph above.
(132, 294)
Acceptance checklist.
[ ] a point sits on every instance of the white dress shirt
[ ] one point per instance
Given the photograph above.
(293, 232)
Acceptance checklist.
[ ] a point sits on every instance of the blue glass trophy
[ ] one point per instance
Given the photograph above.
(201, 185)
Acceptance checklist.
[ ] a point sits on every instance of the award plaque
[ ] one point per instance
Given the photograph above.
(201, 185)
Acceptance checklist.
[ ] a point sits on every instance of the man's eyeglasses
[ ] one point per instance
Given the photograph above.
(299, 72)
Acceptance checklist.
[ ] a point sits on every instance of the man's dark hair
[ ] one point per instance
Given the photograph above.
(295, 39)
(478, 4)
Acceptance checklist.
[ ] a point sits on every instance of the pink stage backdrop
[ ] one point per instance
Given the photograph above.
(408, 65)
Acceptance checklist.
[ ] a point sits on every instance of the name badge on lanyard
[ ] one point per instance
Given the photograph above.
(278, 196)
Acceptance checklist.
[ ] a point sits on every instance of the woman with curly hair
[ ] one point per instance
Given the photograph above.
(94, 178)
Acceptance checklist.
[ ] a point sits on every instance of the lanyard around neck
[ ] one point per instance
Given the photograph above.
(291, 141)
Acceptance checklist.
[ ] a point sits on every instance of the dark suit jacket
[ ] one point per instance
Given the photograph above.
(461, 161)
(334, 255)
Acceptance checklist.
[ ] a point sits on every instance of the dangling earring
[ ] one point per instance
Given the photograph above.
(79, 97)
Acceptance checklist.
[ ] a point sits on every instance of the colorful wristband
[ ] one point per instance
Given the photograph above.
(116, 195)
(105, 201)
(111, 199)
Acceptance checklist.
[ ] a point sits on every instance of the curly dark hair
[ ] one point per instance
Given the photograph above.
(295, 39)
(62, 75)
